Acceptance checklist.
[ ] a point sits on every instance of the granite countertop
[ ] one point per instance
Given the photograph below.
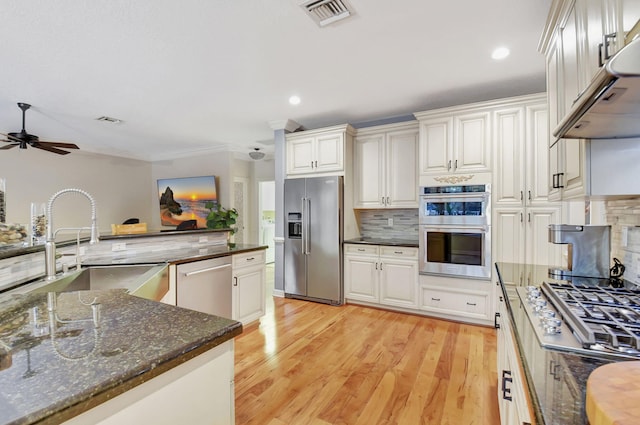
(387, 242)
(8, 252)
(174, 256)
(52, 372)
(556, 380)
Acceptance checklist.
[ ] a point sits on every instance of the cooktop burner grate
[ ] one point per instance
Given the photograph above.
(603, 317)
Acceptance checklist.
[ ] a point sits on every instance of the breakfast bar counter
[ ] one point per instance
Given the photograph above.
(63, 354)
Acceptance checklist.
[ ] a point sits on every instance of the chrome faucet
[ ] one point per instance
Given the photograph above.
(50, 244)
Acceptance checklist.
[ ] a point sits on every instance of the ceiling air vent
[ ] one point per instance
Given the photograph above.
(109, 119)
(325, 12)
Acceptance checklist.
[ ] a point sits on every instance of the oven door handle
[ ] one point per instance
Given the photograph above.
(456, 228)
(461, 197)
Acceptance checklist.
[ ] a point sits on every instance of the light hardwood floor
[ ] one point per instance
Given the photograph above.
(309, 363)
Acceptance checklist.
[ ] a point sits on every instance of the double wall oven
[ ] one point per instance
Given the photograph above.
(455, 230)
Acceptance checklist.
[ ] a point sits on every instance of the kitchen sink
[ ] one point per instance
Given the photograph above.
(145, 281)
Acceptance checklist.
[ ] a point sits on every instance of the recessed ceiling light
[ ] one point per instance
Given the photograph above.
(500, 53)
(294, 100)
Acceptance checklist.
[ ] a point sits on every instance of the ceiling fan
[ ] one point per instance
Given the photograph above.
(24, 139)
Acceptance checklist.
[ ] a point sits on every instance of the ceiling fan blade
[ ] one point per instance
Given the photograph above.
(59, 144)
(8, 146)
(11, 138)
(50, 149)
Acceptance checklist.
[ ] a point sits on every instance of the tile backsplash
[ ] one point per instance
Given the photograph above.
(624, 217)
(375, 224)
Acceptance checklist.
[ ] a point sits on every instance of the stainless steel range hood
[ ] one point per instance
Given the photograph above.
(610, 106)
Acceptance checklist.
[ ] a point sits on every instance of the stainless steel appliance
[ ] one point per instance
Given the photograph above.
(608, 107)
(455, 230)
(599, 317)
(205, 286)
(589, 249)
(313, 241)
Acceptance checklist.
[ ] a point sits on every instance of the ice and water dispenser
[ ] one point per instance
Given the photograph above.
(294, 225)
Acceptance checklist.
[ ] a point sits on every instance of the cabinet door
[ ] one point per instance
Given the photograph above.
(509, 174)
(300, 156)
(538, 249)
(399, 282)
(436, 138)
(508, 235)
(361, 278)
(369, 171)
(329, 154)
(472, 144)
(249, 294)
(401, 169)
(537, 155)
(593, 32)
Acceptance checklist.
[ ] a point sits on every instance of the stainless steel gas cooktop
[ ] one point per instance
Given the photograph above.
(594, 316)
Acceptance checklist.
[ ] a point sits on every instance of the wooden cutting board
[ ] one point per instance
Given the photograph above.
(613, 394)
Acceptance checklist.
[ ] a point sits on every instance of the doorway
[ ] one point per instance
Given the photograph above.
(267, 219)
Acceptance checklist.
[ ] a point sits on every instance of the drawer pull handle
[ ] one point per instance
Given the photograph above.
(250, 258)
(398, 252)
(506, 392)
(435, 299)
(472, 304)
(361, 250)
(210, 269)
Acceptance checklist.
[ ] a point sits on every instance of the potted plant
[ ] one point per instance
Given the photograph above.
(220, 217)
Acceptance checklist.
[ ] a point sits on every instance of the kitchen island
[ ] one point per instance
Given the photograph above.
(555, 379)
(130, 357)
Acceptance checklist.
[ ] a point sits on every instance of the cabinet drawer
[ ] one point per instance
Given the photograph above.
(361, 249)
(454, 302)
(249, 259)
(398, 251)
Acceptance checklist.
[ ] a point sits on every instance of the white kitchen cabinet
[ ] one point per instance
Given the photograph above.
(578, 36)
(208, 379)
(318, 152)
(451, 301)
(513, 401)
(454, 140)
(522, 210)
(249, 280)
(385, 166)
(381, 275)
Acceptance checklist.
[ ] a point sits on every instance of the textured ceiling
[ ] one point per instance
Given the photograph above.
(200, 75)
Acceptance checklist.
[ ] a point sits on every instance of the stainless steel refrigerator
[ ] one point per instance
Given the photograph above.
(313, 239)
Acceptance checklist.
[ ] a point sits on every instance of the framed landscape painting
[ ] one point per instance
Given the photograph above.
(184, 199)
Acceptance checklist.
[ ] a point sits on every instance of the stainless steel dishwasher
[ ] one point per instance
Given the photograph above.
(206, 286)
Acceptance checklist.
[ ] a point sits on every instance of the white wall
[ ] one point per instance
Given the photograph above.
(119, 186)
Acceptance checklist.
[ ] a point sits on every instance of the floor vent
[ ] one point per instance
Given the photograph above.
(325, 12)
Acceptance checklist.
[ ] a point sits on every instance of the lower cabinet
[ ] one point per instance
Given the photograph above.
(384, 275)
(513, 401)
(207, 379)
(249, 280)
(456, 298)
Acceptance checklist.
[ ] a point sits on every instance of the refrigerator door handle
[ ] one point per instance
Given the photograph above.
(303, 231)
(307, 220)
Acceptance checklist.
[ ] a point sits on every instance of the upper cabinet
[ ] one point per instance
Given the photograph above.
(454, 141)
(318, 152)
(385, 166)
(580, 35)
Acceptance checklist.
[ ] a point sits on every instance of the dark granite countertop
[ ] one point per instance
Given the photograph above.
(386, 242)
(556, 380)
(50, 373)
(175, 256)
(22, 250)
